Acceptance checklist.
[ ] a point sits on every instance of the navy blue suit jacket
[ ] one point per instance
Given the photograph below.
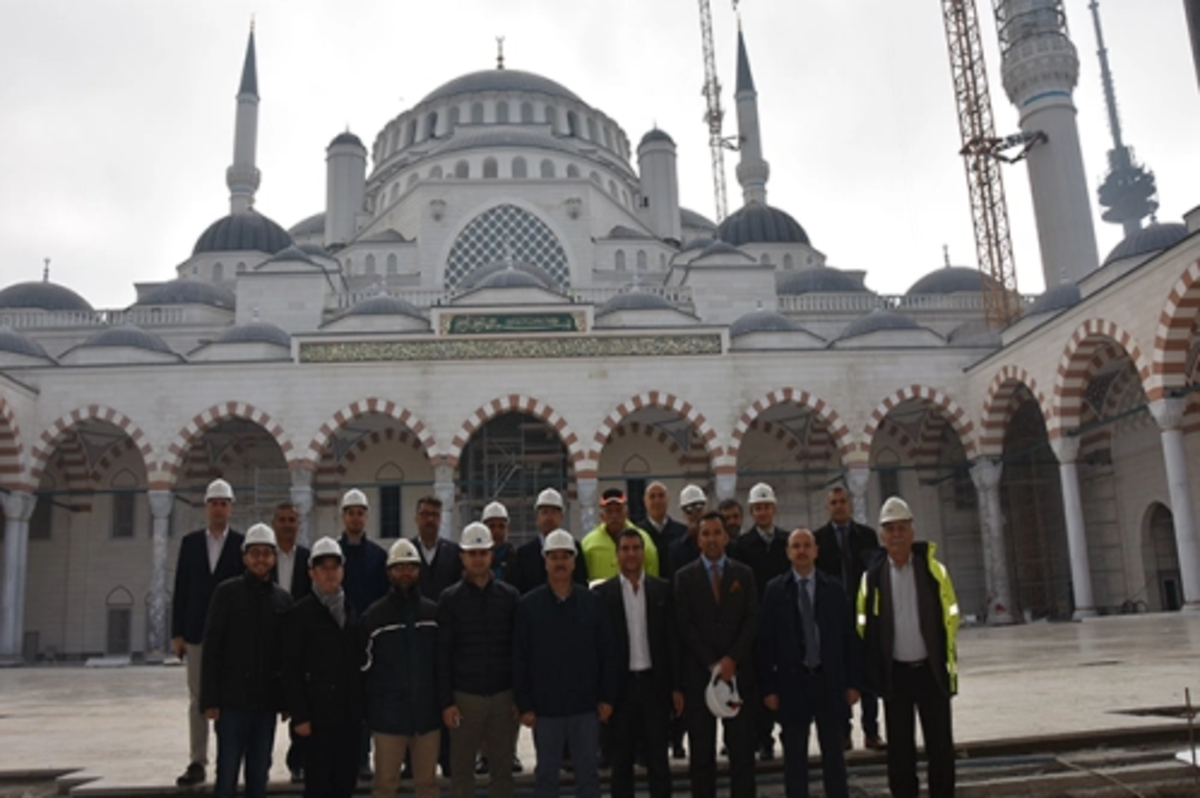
(194, 584)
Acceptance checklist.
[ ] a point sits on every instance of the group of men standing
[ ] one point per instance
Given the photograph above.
(435, 651)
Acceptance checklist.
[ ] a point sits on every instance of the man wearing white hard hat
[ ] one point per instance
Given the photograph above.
(207, 557)
(475, 660)
(322, 668)
(686, 548)
(241, 667)
(529, 570)
(908, 619)
(564, 671)
(764, 548)
(504, 554)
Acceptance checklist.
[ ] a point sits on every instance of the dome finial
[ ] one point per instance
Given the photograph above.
(45, 270)
(255, 316)
(499, 52)
(946, 255)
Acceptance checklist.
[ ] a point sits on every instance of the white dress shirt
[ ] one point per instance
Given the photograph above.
(635, 623)
(427, 552)
(285, 562)
(908, 645)
(215, 544)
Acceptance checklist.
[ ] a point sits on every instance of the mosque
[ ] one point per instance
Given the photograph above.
(502, 293)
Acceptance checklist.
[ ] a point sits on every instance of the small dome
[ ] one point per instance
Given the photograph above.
(511, 278)
(255, 332)
(243, 232)
(385, 306)
(17, 344)
(476, 278)
(878, 320)
(756, 223)
(1154, 237)
(500, 80)
(762, 321)
(656, 135)
(346, 138)
(42, 296)
(311, 226)
(695, 221)
(625, 233)
(702, 242)
(719, 248)
(950, 280)
(634, 300)
(190, 292)
(290, 253)
(128, 335)
(819, 280)
(1060, 297)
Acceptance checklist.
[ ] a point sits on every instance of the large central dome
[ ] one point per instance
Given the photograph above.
(500, 80)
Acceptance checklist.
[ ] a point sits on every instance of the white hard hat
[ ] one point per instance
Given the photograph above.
(549, 498)
(495, 510)
(762, 493)
(218, 489)
(721, 696)
(259, 535)
(476, 536)
(895, 509)
(355, 498)
(326, 547)
(692, 494)
(559, 540)
(402, 551)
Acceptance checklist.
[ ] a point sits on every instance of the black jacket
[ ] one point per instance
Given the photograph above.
(528, 569)
(766, 559)
(563, 660)
(683, 551)
(864, 548)
(401, 667)
(301, 584)
(780, 654)
(708, 630)
(322, 665)
(475, 632)
(672, 531)
(660, 631)
(444, 570)
(194, 583)
(240, 666)
(366, 580)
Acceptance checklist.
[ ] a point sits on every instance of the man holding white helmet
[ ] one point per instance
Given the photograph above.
(240, 671)
(529, 570)
(323, 658)
(475, 660)
(207, 557)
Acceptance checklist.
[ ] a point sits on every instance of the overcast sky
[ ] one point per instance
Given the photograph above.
(118, 115)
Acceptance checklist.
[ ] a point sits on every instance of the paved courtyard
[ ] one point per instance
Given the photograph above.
(126, 725)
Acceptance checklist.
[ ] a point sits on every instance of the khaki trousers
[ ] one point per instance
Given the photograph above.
(389, 758)
(197, 723)
(487, 723)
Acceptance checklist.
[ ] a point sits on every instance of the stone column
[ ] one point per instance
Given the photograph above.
(726, 485)
(443, 488)
(1169, 415)
(1066, 450)
(18, 507)
(161, 504)
(304, 497)
(858, 479)
(986, 476)
(588, 488)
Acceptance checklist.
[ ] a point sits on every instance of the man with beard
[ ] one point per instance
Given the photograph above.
(529, 569)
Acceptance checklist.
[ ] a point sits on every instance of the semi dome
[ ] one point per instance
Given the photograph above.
(878, 320)
(762, 321)
(950, 280)
(475, 279)
(818, 280)
(696, 221)
(128, 335)
(500, 80)
(239, 232)
(634, 300)
(290, 254)
(511, 278)
(385, 306)
(313, 225)
(756, 223)
(42, 296)
(190, 292)
(719, 248)
(1060, 297)
(1154, 237)
(17, 344)
(703, 242)
(255, 332)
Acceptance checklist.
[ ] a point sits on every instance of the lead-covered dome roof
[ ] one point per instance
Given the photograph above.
(255, 332)
(1154, 237)
(818, 280)
(1060, 297)
(476, 278)
(238, 232)
(17, 344)
(385, 306)
(878, 320)
(190, 292)
(762, 321)
(500, 80)
(950, 280)
(128, 335)
(42, 296)
(634, 300)
(757, 223)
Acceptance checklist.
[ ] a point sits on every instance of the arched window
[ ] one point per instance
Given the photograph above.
(412, 180)
(612, 188)
(453, 118)
(349, 265)
(218, 272)
(787, 261)
(435, 173)
(662, 261)
(572, 170)
(502, 112)
(595, 178)
(625, 198)
(395, 192)
(572, 124)
(431, 125)
(241, 267)
(548, 168)
(551, 117)
(520, 168)
(411, 136)
(370, 264)
(526, 113)
(393, 265)
(462, 169)
(591, 129)
(765, 260)
(607, 137)
(476, 113)
(620, 260)
(490, 169)
(641, 260)
(395, 140)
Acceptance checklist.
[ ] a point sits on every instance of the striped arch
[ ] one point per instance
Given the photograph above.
(515, 403)
(316, 447)
(633, 428)
(1091, 345)
(191, 432)
(957, 417)
(331, 469)
(998, 406)
(1173, 335)
(837, 428)
(12, 451)
(664, 401)
(58, 432)
(896, 435)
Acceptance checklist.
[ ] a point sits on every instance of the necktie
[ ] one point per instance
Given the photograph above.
(716, 582)
(842, 540)
(812, 651)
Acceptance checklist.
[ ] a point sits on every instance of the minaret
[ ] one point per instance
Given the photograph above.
(660, 185)
(1128, 189)
(752, 170)
(1041, 68)
(345, 188)
(243, 176)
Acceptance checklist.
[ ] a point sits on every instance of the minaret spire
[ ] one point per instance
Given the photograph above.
(243, 176)
(752, 169)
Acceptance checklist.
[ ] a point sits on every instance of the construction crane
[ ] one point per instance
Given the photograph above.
(714, 115)
(983, 152)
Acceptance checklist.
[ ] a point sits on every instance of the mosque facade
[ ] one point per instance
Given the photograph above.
(503, 293)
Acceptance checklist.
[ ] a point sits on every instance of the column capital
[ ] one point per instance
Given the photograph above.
(443, 472)
(858, 478)
(726, 486)
(303, 496)
(161, 502)
(1066, 448)
(18, 505)
(301, 477)
(985, 473)
(1168, 412)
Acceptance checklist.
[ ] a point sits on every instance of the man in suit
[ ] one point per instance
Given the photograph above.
(441, 559)
(846, 548)
(764, 548)
(639, 609)
(662, 528)
(716, 610)
(808, 665)
(686, 548)
(207, 557)
(529, 569)
(731, 510)
(291, 572)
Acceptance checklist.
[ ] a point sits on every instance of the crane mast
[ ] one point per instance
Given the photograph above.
(714, 115)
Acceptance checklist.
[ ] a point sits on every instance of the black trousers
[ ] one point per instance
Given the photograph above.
(869, 703)
(914, 690)
(297, 746)
(825, 708)
(764, 727)
(640, 723)
(702, 738)
(331, 760)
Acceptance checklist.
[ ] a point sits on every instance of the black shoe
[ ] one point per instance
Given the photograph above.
(517, 767)
(875, 743)
(481, 766)
(365, 775)
(766, 753)
(192, 776)
(679, 752)
(298, 776)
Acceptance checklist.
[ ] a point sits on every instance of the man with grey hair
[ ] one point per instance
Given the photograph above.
(663, 529)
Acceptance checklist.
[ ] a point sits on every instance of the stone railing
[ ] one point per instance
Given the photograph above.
(424, 298)
(866, 302)
(21, 319)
